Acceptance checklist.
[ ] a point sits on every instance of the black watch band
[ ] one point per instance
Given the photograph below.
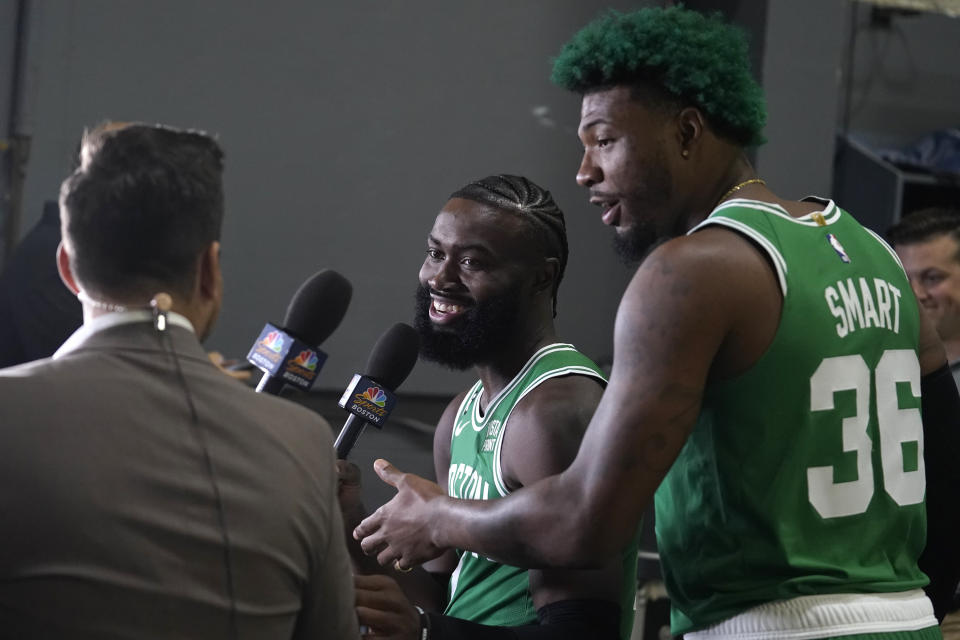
(424, 624)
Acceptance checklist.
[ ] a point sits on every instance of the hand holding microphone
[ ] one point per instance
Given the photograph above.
(370, 398)
(224, 366)
(289, 354)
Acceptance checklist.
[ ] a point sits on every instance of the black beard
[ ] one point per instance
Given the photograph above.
(474, 337)
(638, 240)
(633, 245)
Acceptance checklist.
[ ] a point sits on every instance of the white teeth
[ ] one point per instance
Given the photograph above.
(443, 307)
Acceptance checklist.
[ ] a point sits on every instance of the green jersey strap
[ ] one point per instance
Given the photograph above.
(482, 590)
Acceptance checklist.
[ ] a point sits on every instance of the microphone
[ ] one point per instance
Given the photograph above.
(289, 355)
(369, 398)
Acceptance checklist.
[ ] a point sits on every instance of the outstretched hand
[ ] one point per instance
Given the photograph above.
(400, 531)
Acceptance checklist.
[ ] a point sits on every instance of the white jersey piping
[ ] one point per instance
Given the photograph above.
(779, 264)
(478, 420)
(886, 246)
(498, 480)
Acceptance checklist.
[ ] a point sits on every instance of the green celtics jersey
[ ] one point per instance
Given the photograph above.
(482, 590)
(804, 475)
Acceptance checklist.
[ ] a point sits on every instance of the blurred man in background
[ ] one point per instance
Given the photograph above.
(37, 312)
(928, 243)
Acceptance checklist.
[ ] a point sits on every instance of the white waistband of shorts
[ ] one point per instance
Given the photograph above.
(825, 615)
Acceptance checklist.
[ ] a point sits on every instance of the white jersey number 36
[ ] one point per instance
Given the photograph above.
(897, 426)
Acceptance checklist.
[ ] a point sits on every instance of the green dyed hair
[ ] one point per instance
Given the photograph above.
(692, 57)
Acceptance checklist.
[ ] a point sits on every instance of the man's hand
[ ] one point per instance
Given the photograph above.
(218, 361)
(399, 531)
(382, 606)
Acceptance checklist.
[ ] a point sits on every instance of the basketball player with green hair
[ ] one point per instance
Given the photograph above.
(769, 360)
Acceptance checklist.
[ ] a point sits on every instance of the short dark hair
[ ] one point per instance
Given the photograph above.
(926, 224)
(696, 58)
(535, 206)
(144, 203)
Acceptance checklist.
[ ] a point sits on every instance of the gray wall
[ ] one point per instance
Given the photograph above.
(801, 74)
(8, 25)
(346, 124)
(345, 127)
(8, 33)
(906, 76)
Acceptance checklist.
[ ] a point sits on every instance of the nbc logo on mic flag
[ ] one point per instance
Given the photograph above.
(274, 341)
(307, 360)
(376, 396)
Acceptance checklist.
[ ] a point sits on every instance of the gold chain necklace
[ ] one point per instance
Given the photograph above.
(741, 185)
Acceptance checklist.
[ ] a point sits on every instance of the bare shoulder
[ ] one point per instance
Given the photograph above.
(712, 292)
(701, 261)
(546, 427)
(559, 404)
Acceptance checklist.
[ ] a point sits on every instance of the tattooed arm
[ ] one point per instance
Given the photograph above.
(703, 306)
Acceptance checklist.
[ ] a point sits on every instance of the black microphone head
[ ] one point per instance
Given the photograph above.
(318, 307)
(393, 356)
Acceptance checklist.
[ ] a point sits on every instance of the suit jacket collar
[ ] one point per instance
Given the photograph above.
(134, 336)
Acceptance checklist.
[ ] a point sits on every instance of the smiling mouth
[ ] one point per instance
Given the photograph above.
(445, 307)
(446, 310)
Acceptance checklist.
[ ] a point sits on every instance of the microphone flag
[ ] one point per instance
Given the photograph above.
(368, 400)
(280, 355)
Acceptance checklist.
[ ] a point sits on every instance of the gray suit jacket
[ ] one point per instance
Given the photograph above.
(109, 525)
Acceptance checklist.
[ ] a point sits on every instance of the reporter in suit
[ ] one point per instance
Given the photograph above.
(143, 493)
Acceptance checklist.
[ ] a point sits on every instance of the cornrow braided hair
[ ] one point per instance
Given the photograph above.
(534, 204)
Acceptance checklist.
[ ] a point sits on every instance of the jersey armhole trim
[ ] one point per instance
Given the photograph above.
(462, 409)
(494, 403)
(498, 480)
(886, 246)
(776, 258)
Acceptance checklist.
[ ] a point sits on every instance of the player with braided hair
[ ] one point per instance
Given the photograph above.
(770, 364)
(487, 298)
(536, 205)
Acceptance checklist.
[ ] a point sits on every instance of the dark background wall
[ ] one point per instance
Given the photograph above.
(905, 73)
(8, 27)
(347, 124)
(802, 71)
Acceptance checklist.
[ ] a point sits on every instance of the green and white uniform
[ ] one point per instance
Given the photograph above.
(482, 590)
(796, 508)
